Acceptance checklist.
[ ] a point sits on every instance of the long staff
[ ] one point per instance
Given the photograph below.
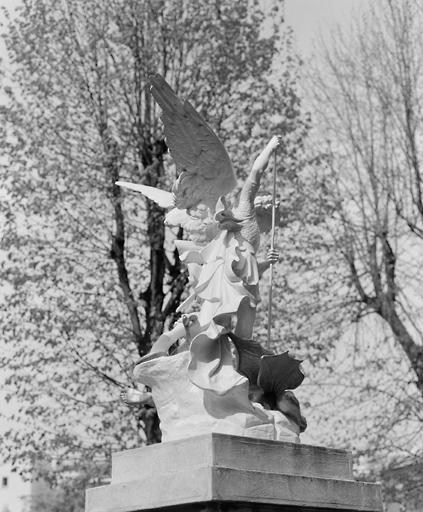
(272, 246)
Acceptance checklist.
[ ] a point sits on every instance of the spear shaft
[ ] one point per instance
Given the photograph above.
(272, 246)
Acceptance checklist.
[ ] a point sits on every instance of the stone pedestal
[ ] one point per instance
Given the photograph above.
(219, 472)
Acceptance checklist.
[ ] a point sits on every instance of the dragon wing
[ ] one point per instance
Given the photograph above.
(205, 168)
(249, 356)
(279, 373)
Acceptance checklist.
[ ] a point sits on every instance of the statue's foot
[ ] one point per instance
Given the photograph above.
(124, 397)
(134, 398)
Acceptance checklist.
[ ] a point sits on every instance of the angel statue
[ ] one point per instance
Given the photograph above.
(219, 379)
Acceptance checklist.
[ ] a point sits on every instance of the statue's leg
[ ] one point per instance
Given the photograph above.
(246, 316)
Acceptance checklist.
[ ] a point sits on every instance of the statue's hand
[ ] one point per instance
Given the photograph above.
(272, 256)
(274, 142)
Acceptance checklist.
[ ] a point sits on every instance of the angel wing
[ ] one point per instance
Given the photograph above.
(163, 198)
(205, 168)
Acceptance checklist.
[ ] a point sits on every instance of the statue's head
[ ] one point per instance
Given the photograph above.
(225, 217)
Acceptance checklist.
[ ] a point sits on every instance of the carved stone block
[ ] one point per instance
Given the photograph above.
(219, 472)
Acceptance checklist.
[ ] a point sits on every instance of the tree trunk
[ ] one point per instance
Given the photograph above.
(152, 298)
(413, 351)
(117, 251)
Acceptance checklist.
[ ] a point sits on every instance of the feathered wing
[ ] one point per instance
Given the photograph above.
(163, 198)
(205, 168)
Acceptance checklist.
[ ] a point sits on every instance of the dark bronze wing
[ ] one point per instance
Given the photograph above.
(279, 373)
(249, 356)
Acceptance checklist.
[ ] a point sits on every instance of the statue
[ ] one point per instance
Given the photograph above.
(218, 379)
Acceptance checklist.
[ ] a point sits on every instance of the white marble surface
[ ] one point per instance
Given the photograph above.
(185, 408)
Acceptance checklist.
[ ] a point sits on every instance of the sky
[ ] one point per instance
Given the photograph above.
(311, 18)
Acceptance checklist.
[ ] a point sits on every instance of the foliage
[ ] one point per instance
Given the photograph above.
(90, 276)
(366, 95)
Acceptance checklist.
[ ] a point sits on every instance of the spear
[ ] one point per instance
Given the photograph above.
(272, 246)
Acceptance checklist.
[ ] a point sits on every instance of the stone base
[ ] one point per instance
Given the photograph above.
(219, 472)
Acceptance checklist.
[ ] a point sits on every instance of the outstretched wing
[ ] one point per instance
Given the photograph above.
(163, 198)
(205, 168)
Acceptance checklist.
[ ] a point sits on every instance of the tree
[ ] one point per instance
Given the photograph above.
(92, 278)
(366, 93)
